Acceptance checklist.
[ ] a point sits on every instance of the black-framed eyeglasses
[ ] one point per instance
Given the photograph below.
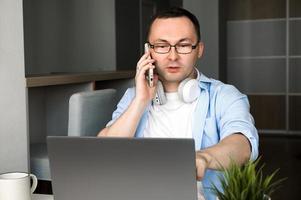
(181, 48)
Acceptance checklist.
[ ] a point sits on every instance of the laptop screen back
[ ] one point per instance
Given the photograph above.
(122, 168)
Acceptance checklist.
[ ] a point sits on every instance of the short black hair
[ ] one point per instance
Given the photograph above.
(174, 12)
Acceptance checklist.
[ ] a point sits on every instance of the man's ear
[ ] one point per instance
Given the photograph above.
(201, 49)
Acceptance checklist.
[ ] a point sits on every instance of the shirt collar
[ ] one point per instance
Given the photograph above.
(204, 81)
(205, 78)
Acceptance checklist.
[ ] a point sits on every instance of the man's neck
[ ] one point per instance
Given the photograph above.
(171, 86)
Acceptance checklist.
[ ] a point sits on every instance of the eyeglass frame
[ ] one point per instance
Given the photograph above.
(175, 46)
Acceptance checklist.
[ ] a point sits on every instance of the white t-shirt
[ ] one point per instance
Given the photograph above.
(171, 120)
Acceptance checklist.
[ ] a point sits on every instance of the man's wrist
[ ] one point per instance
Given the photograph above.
(140, 103)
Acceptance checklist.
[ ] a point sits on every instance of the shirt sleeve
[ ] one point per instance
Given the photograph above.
(235, 117)
(122, 105)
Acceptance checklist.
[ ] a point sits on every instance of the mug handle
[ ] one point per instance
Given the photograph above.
(34, 183)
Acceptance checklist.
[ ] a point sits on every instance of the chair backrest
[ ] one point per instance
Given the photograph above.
(89, 112)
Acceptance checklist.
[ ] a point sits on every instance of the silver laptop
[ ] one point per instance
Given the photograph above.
(122, 168)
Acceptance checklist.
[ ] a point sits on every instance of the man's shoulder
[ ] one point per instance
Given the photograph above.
(219, 92)
(215, 86)
(127, 96)
(222, 96)
(221, 88)
(131, 90)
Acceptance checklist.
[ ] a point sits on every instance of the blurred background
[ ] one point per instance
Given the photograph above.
(252, 44)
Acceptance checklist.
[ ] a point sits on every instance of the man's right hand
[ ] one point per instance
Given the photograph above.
(145, 93)
(126, 124)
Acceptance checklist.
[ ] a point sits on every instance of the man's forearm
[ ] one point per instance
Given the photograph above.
(235, 147)
(126, 124)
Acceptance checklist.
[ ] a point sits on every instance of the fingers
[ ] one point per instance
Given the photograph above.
(202, 163)
(143, 69)
(143, 91)
(145, 56)
(144, 63)
(200, 171)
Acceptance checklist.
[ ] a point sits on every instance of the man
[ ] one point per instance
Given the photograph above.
(217, 118)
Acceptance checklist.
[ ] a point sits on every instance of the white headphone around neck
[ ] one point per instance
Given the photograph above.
(188, 90)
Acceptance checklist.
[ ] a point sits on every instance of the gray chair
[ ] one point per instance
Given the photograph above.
(88, 114)
(39, 162)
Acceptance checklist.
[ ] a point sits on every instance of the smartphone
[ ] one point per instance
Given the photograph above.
(150, 72)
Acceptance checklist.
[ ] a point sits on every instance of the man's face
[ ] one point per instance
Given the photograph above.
(172, 66)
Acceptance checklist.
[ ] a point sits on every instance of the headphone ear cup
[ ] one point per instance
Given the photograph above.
(160, 97)
(181, 87)
(189, 90)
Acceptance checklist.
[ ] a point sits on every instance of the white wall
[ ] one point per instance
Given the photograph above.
(13, 124)
(207, 13)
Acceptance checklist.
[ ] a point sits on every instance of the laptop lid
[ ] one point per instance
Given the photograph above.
(122, 168)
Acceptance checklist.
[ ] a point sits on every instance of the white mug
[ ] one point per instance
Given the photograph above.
(16, 186)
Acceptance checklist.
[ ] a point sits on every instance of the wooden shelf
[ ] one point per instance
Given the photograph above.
(69, 78)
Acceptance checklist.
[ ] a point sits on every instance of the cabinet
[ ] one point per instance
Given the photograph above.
(263, 60)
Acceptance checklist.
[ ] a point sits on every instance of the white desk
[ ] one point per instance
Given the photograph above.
(42, 197)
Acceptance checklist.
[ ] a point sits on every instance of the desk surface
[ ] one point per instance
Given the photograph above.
(50, 197)
(42, 197)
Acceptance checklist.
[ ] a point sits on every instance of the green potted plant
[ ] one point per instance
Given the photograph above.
(246, 183)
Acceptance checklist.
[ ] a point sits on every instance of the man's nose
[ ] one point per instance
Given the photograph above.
(172, 54)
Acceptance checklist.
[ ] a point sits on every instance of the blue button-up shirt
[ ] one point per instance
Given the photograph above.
(221, 111)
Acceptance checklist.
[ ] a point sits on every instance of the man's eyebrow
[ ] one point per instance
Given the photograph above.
(181, 40)
(185, 40)
(161, 40)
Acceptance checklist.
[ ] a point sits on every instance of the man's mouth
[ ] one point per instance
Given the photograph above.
(173, 69)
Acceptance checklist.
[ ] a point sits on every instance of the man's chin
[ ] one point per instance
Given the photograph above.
(165, 76)
(172, 79)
